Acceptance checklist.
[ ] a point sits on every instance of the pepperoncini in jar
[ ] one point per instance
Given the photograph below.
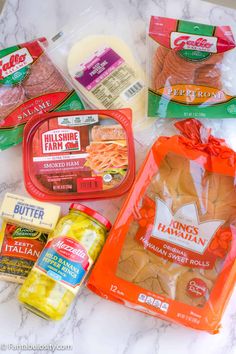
(64, 263)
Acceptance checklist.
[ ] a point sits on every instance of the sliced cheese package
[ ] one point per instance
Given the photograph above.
(173, 243)
(104, 70)
(100, 64)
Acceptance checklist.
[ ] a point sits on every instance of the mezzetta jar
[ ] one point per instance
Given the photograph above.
(64, 263)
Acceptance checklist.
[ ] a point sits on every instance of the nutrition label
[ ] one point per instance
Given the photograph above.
(120, 82)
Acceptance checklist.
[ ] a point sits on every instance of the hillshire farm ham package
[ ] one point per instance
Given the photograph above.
(191, 70)
(29, 85)
(79, 155)
(173, 244)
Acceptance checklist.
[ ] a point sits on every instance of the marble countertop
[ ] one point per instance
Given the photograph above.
(94, 325)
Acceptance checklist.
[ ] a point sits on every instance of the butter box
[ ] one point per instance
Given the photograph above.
(24, 233)
(29, 212)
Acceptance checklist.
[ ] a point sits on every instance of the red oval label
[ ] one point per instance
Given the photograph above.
(197, 288)
(70, 249)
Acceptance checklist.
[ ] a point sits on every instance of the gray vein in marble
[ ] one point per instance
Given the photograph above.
(7, 292)
(186, 10)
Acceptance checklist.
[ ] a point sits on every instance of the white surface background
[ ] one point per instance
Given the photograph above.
(93, 325)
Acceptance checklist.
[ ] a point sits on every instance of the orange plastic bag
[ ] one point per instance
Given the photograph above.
(171, 252)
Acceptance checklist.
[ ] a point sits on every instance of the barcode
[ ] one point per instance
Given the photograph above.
(89, 184)
(133, 90)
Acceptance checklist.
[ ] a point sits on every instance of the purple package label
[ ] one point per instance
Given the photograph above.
(98, 68)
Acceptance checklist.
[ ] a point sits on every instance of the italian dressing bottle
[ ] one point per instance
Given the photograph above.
(64, 263)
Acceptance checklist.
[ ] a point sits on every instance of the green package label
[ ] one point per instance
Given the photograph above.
(13, 136)
(159, 106)
(200, 37)
(14, 65)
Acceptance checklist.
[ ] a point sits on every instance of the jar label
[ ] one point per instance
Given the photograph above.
(65, 260)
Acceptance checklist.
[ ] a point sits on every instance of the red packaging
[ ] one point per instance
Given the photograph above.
(79, 155)
(190, 68)
(173, 244)
(30, 85)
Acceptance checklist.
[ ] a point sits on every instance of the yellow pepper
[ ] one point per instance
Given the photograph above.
(47, 291)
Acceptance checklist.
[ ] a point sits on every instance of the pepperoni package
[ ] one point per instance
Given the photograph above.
(29, 86)
(79, 155)
(191, 70)
(173, 243)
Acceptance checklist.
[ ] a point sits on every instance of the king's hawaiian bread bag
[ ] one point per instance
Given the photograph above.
(173, 243)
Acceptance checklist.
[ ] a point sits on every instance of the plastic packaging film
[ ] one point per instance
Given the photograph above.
(190, 69)
(30, 85)
(176, 232)
(98, 60)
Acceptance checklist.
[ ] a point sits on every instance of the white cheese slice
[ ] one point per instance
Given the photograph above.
(107, 84)
(117, 142)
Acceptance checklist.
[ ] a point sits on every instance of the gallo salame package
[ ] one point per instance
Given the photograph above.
(30, 85)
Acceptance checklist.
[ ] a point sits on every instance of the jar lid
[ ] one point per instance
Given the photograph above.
(92, 213)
